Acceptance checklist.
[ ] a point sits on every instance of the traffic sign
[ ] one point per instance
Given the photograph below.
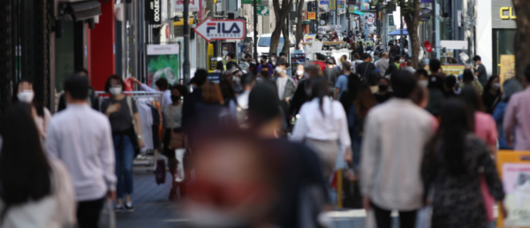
(263, 10)
(250, 1)
(391, 20)
(211, 29)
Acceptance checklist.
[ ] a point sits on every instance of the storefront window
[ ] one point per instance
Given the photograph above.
(64, 55)
(503, 40)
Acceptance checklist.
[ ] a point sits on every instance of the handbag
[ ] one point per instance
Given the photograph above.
(160, 171)
(176, 140)
(486, 197)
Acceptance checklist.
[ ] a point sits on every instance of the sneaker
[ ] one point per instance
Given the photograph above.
(129, 207)
(118, 208)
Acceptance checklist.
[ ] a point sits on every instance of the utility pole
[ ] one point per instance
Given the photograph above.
(316, 15)
(401, 36)
(433, 53)
(255, 30)
(186, 43)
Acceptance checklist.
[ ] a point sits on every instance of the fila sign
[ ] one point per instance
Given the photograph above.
(211, 29)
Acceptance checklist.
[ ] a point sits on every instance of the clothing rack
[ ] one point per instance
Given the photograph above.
(148, 157)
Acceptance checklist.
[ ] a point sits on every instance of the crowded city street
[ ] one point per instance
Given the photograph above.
(264, 113)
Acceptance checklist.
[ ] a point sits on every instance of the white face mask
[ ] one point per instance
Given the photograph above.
(279, 70)
(299, 72)
(26, 96)
(115, 90)
(272, 58)
(253, 62)
(401, 61)
(496, 86)
(406, 51)
(423, 83)
(273, 63)
(225, 52)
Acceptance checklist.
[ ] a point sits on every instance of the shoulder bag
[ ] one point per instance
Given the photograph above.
(176, 140)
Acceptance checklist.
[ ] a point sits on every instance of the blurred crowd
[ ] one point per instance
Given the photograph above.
(263, 144)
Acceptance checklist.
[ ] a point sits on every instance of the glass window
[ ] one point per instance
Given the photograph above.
(503, 40)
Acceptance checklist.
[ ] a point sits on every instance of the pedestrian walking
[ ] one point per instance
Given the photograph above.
(320, 61)
(469, 80)
(302, 93)
(265, 66)
(172, 122)
(25, 94)
(211, 113)
(383, 94)
(492, 93)
(365, 68)
(162, 85)
(322, 124)
(451, 87)
(230, 63)
(301, 75)
(480, 70)
(510, 87)
(286, 85)
(341, 85)
(239, 106)
(303, 193)
(127, 137)
(391, 160)
(263, 76)
(37, 191)
(516, 117)
(436, 88)
(382, 64)
(189, 112)
(453, 166)
(331, 74)
(81, 138)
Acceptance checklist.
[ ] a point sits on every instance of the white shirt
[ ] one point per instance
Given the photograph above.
(81, 138)
(242, 101)
(331, 126)
(411, 69)
(166, 96)
(395, 135)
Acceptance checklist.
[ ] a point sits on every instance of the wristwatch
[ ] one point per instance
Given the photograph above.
(139, 137)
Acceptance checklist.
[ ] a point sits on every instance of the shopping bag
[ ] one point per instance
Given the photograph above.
(423, 217)
(160, 171)
(369, 220)
(107, 217)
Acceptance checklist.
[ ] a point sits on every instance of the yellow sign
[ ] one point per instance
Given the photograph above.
(332, 4)
(510, 16)
(311, 15)
(507, 65)
(453, 69)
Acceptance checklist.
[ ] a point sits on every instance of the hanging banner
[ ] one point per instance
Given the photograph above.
(514, 170)
(153, 12)
(162, 62)
(194, 5)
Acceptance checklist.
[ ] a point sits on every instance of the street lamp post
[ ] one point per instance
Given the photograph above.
(255, 30)
(186, 43)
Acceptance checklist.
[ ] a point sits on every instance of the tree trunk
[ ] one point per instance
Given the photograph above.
(287, 41)
(299, 31)
(281, 14)
(522, 49)
(412, 20)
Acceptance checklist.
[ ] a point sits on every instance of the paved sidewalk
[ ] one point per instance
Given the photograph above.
(151, 204)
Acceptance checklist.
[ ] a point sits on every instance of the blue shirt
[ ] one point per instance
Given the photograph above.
(342, 84)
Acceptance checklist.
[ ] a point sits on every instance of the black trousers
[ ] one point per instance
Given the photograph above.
(88, 213)
(407, 219)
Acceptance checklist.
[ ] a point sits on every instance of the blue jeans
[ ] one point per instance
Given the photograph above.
(124, 152)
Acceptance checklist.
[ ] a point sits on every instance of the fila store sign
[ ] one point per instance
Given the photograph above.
(211, 29)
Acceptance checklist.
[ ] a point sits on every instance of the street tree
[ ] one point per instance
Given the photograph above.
(299, 32)
(281, 10)
(521, 47)
(410, 11)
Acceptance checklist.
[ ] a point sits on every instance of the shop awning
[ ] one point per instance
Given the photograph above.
(306, 22)
(83, 10)
(358, 13)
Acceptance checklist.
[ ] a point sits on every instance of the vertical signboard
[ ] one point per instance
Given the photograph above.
(153, 12)
(162, 62)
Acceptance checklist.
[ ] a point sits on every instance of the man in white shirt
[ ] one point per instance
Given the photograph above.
(382, 64)
(392, 152)
(81, 138)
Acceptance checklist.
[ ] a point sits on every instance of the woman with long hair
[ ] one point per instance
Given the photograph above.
(468, 79)
(24, 93)
(36, 191)
(124, 118)
(483, 123)
(492, 93)
(322, 124)
(172, 122)
(453, 166)
(212, 113)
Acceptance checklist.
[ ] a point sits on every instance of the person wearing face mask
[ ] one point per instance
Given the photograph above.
(230, 63)
(162, 85)
(383, 94)
(252, 64)
(300, 75)
(492, 93)
(25, 94)
(286, 85)
(127, 135)
(265, 66)
(273, 59)
(172, 121)
(480, 70)
(402, 62)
